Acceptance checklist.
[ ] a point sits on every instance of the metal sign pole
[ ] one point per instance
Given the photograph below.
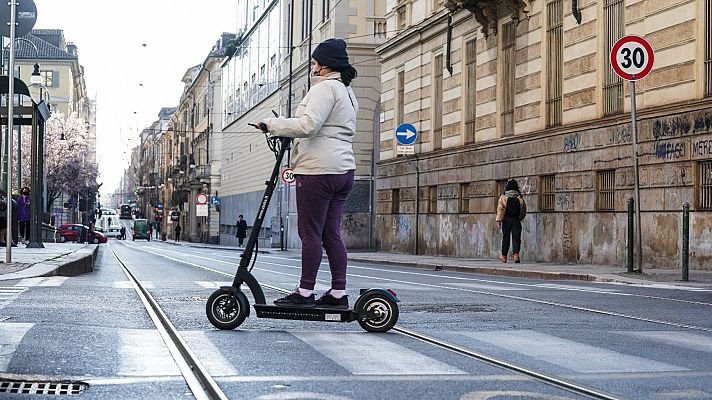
(635, 173)
(10, 121)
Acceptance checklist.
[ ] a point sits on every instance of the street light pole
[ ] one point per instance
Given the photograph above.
(10, 121)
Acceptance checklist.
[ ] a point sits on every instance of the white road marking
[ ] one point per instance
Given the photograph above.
(213, 284)
(51, 281)
(370, 354)
(11, 335)
(688, 340)
(213, 360)
(481, 286)
(579, 357)
(143, 352)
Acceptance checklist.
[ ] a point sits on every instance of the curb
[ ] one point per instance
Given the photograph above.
(71, 265)
(489, 270)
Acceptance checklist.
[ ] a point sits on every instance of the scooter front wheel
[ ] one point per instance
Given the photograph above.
(227, 310)
(382, 313)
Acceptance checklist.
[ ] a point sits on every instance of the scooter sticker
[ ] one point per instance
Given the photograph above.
(332, 317)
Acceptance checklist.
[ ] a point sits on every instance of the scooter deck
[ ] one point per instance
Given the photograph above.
(305, 313)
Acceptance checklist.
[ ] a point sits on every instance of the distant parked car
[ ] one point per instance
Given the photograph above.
(73, 233)
(113, 231)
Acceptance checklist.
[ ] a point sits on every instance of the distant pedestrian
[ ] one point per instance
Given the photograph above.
(23, 208)
(158, 229)
(177, 232)
(241, 230)
(123, 232)
(511, 210)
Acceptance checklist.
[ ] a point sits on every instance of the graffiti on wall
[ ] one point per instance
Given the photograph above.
(572, 142)
(682, 125)
(525, 187)
(702, 148)
(620, 134)
(567, 242)
(669, 150)
(401, 228)
(352, 225)
(445, 230)
(565, 202)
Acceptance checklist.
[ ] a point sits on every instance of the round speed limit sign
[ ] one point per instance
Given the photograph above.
(632, 57)
(288, 176)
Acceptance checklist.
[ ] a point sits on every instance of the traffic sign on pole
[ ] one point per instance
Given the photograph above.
(406, 134)
(632, 57)
(288, 176)
(201, 198)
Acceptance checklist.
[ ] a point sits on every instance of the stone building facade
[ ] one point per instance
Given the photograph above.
(533, 97)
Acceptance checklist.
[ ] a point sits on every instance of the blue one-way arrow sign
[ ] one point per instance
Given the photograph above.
(406, 134)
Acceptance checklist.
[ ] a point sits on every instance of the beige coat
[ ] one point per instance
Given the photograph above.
(323, 128)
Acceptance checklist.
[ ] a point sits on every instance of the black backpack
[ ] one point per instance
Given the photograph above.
(513, 207)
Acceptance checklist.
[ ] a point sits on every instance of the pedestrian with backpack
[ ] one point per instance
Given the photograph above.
(511, 210)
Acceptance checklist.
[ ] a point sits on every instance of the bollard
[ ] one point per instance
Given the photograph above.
(630, 235)
(685, 241)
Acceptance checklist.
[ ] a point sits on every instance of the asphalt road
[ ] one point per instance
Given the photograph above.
(629, 341)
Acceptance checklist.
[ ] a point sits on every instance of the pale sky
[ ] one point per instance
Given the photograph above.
(130, 82)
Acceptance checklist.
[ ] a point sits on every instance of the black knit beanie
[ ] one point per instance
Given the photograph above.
(331, 53)
(512, 185)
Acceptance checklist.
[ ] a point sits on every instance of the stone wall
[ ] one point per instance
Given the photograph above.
(673, 140)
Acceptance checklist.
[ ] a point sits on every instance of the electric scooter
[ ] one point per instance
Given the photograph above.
(376, 310)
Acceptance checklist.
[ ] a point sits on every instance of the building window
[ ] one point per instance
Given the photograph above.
(305, 18)
(437, 103)
(508, 68)
(605, 197)
(546, 191)
(325, 8)
(395, 201)
(48, 78)
(464, 198)
(400, 106)
(613, 84)
(708, 47)
(704, 201)
(555, 80)
(402, 18)
(432, 200)
(470, 90)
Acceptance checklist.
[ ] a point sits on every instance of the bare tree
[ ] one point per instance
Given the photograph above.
(69, 169)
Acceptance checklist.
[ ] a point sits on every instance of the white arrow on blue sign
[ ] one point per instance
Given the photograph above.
(406, 134)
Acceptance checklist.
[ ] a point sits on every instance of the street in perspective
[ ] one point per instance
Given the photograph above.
(356, 199)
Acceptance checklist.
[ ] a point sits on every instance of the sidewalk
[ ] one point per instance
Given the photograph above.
(526, 269)
(65, 259)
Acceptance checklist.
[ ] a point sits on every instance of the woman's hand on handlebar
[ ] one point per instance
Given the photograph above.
(261, 126)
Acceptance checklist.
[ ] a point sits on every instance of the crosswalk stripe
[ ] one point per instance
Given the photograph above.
(11, 335)
(370, 354)
(579, 357)
(212, 284)
(216, 364)
(143, 353)
(687, 340)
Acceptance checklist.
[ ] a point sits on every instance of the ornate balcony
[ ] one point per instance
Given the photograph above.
(487, 12)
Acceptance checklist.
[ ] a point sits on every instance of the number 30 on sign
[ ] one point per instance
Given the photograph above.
(288, 176)
(632, 57)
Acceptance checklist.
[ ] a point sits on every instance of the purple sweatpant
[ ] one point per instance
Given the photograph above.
(320, 205)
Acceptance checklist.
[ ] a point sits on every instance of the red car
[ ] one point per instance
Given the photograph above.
(72, 233)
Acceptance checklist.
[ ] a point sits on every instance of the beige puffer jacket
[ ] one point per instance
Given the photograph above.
(323, 127)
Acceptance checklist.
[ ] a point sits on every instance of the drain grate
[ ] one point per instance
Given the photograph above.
(58, 388)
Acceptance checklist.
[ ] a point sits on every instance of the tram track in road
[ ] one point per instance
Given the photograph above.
(446, 287)
(196, 376)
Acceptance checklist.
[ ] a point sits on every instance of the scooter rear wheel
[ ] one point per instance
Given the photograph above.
(387, 310)
(226, 310)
